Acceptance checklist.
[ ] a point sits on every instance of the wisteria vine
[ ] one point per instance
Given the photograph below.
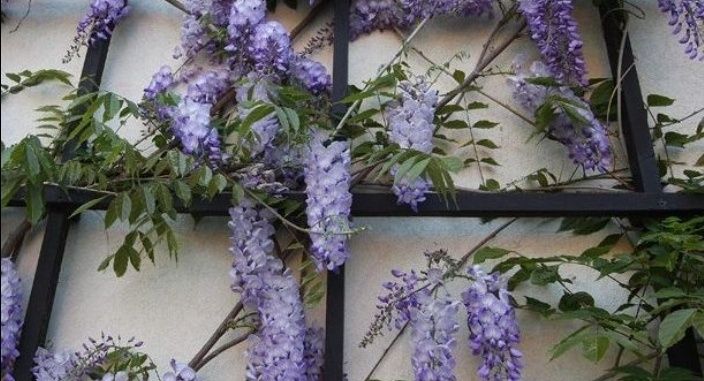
(243, 111)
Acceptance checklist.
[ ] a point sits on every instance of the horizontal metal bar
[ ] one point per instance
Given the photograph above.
(467, 204)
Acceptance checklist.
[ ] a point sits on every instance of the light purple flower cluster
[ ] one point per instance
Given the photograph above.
(312, 75)
(10, 316)
(191, 119)
(400, 297)
(58, 366)
(276, 351)
(367, 16)
(411, 126)
(433, 322)
(244, 17)
(687, 19)
(494, 334)
(314, 353)
(180, 372)
(62, 366)
(101, 19)
(555, 31)
(328, 202)
(162, 81)
(270, 48)
(587, 141)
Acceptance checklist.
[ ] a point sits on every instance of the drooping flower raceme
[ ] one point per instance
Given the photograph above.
(11, 316)
(494, 334)
(270, 48)
(687, 20)
(191, 120)
(313, 353)
(179, 372)
(50, 366)
(276, 351)
(162, 80)
(586, 139)
(100, 20)
(555, 31)
(312, 75)
(244, 16)
(433, 321)
(328, 201)
(410, 120)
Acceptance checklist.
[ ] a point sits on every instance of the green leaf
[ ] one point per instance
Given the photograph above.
(656, 100)
(698, 322)
(487, 143)
(673, 327)
(484, 124)
(675, 139)
(119, 263)
(573, 302)
(135, 258)
(594, 347)
(87, 206)
(182, 191)
(35, 204)
(455, 124)
(544, 275)
(489, 253)
(538, 306)
(568, 342)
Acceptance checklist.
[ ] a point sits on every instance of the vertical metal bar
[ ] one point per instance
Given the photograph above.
(634, 117)
(641, 155)
(46, 276)
(333, 369)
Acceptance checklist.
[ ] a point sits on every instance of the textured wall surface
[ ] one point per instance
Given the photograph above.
(174, 305)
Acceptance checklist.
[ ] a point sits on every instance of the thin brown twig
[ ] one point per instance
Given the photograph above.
(217, 351)
(13, 242)
(222, 328)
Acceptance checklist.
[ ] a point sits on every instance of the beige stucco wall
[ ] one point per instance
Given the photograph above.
(175, 305)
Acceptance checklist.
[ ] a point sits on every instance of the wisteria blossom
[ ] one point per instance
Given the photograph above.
(180, 372)
(494, 334)
(312, 75)
(328, 200)
(410, 121)
(101, 19)
(433, 322)
(270, 48)
(314, 353)
(57, 366)
(687, 19)
(277, 350)
(162, 80)
(555, 31)
(10, 316)
(587, 139)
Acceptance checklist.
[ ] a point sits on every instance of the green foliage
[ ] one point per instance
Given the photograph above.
(662, 275)
(27, 78)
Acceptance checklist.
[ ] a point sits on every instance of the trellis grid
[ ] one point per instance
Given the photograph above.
(647, 200)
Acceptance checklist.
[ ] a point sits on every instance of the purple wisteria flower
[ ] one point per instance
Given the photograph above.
(400, 297)
(193, 37)
(687, 20)
(433, 322)
(555, 31)
(314, 353)
(11, 316)
(179, 372)
(367, 16)
(101, 19)
(270, 48)
(410, 121)
(494, 334)
(312, 75)
(328, 201)
(587, 139)
(191, 119)
(276, 351)
(50, 366)
(162, 80)
(244, 16)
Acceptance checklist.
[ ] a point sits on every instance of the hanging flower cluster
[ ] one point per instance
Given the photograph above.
(179, 372)
(101, 19)
(687, 20)
(328, 201)
(555, 31)
(433, 324)
(494, 334)
(278, 350)
(421, 301)
(90, 361)
(10, 316)
(586, 139)
(367, 16)
(411, 126)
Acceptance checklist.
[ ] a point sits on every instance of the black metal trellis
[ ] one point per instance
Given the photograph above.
(648, 200)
